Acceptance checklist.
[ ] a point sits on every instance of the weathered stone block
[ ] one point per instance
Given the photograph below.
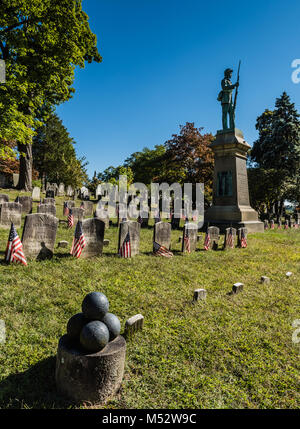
(134, 324)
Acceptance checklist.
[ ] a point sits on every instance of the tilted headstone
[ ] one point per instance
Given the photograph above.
(36, 194)
(39, 235)
(26, 203)
(214, 232)
(10, 212)
(134, 232)
(88, 208)
(4, 198)
(78, 214)
(61, 190)
(192, 230)
(93, 230)
(229, 240)
(162, 234)
(47, 208)
(239, 234)
(49, 200)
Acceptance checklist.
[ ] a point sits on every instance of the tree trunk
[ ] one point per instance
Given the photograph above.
(25, 179)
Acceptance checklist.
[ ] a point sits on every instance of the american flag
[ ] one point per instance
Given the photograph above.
(286, 225)
(230, 240)
(266, 225)
(279, 225)
(272, 224)
(243, 239)
(40, 202)
(82, 205)
(140, 220)
(66, 209)
(161, 250)
(14, 250)
(70, 219)
(186, 240)
(79, 242)
(207, 241)
(125, 249)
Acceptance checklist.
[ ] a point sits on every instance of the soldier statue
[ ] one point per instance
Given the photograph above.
(225, 97)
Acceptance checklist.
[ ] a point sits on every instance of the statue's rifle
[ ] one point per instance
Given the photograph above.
(237, 88)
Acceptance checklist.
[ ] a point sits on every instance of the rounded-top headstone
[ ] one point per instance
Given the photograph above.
(94, 336)
(113, 325)
(95, 305)
(75, 325)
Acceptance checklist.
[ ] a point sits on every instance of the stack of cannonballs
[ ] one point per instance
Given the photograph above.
(94, 327)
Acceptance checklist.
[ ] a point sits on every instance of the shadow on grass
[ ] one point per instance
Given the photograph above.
(33, 388)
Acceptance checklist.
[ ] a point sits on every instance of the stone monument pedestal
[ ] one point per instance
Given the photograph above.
(231, 204)
(89, 377)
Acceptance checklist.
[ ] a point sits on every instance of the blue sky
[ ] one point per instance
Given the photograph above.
(163, 61)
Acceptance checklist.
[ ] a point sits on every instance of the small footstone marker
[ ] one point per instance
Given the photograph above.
(106, 242)
(237, 287)
(134, 324)
(199, 295)
(289, 274)
(63, 243)
(265, 279)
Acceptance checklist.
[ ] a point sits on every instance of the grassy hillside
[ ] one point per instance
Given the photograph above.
(232, 351)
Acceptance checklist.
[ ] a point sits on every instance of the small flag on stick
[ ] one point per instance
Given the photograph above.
(243, 239)
(14, 249)
(66, 209)
(70, 219)
(125, 249)
(161, 250)
(207, 241)
(187, 241)
(79, 242)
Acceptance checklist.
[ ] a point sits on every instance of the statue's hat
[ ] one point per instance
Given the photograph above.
(228, 71)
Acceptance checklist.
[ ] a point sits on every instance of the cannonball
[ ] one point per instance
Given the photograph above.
(75, 325)
(113, 324)
(94, 336)
(95, 305)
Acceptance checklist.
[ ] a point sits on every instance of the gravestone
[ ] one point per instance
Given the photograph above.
(239, 234)
(39, 235)
(214, 232)
(93, 230)
(88, 208)
(84, 193)
(237, 287)
(61, 190)
(10, 212)
(134, 324)
(4, 198)
(102, 215)
(50, 193)
(162, 234)
(26, 203)
(70, 191)
(134, 231)
(78, 214)
(49, 201)
(36, 194)
(199, 295)
(15, 179)
(192, 230)
(175, 221)
(47, 208)
(229, 242)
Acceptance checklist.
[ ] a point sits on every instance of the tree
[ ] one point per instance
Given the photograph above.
(54, 154)
(190, 158)
(42, 43)
(148, 165)
(278, 148)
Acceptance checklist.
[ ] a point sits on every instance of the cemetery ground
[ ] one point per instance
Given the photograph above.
(230, 351)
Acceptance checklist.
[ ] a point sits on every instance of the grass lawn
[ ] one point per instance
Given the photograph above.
(232, 351)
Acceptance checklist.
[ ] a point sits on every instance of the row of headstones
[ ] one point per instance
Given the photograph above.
(12, 211)
(288, 223)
